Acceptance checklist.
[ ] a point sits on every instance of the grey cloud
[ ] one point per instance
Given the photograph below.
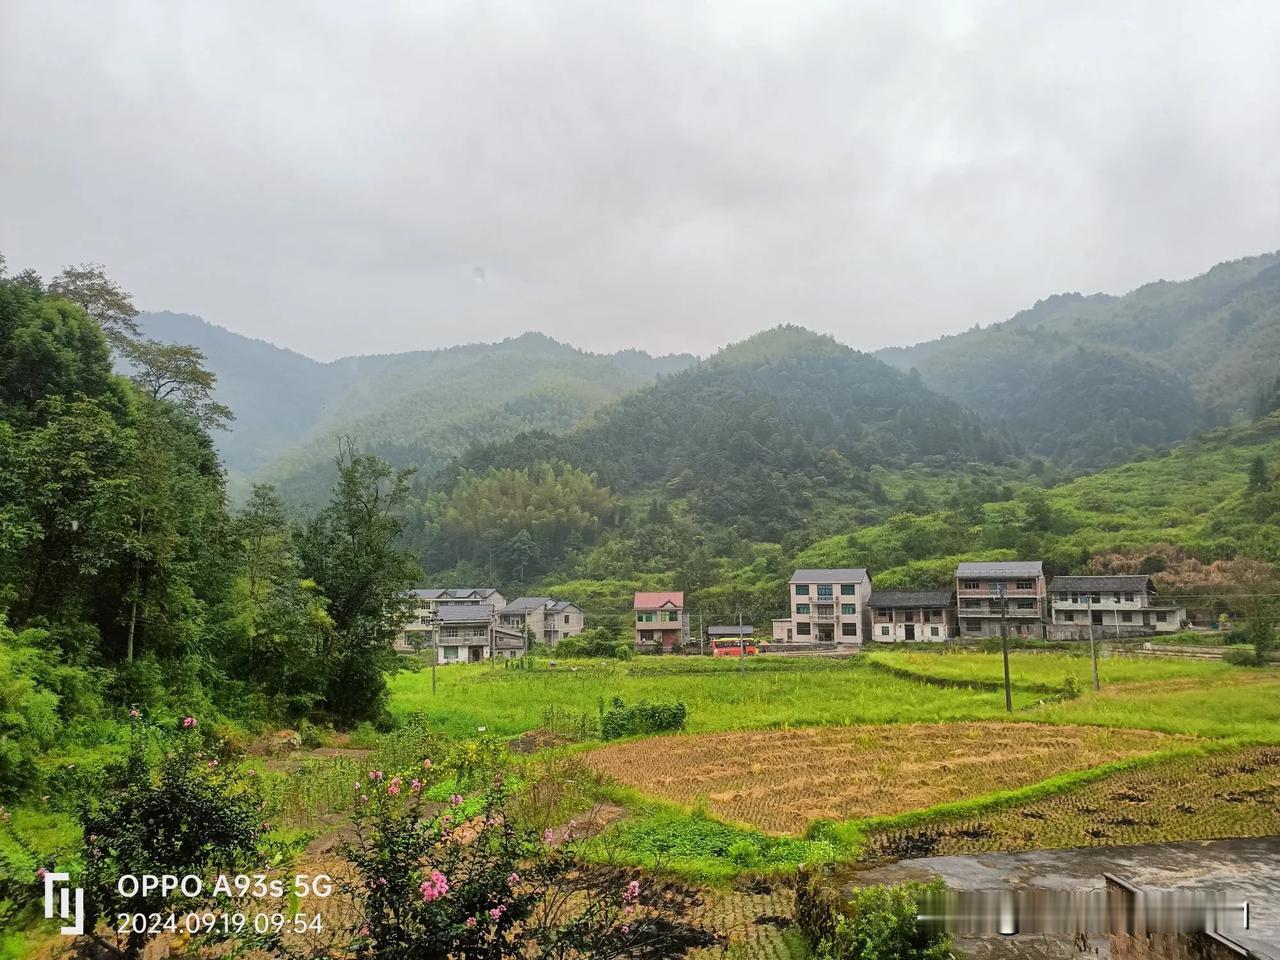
(673, 176)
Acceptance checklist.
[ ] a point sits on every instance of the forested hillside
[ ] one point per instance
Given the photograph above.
(786, 432)
(417, 408)
(1089, 380)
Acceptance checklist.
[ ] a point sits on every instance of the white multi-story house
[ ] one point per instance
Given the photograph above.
(1109, 606)
(466, 615)
(913, 616)
(828, 607)
(991, 591)
(549, 620)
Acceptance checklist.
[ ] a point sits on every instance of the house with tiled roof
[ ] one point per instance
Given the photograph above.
(548, 619)
(433, 617)
(1110, 606)
(829, 608)
(660, 620)
(912, 616)
(992, 595)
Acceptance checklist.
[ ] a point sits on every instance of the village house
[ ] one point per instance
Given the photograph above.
(419, 628)
(549, 620)
(661, 621)
(1109, 606)
(1012, 591)
(827, 607)
(909, 616)
(467, 632)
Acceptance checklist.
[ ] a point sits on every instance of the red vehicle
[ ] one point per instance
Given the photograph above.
(731, 647)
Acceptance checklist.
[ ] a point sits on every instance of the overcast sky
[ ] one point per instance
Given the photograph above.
(369, 177)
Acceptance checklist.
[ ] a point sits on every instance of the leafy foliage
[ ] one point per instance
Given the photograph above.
(621, 720)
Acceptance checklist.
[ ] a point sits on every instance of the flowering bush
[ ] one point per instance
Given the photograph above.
(461, 880)
(173, 808)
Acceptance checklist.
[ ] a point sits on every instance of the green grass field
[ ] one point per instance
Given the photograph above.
(719, 696)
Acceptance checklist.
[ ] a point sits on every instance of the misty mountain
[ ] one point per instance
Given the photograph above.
(753, 435)
(417, 408)
(1089, 379)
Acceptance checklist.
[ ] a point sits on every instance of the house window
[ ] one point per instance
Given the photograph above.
(848, 590)
(1097, 598)
(1024, 585)
(884, 631)
(1162, 617)
(971, 585)
(802, 608)
(566, 619)
(848, 629)
(973, 626)
(645, 617)
(848, 609)
(802, 629)
(824, 591)
(788, 633)
(802, 589)
(451, 653)
(1117, 597)
(1128, 598)
(1126, 617)
(933, 631)
(1068, 616)
(973, 604)
(1026, 604)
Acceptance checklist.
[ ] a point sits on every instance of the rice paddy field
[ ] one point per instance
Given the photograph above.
(783, 780)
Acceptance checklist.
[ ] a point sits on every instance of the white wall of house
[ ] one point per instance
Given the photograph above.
(836, 612)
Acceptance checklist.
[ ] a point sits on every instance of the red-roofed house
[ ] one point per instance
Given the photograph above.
(661, 620)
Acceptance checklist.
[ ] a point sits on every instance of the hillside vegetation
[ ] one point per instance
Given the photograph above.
(1090, 379)
(418, 408)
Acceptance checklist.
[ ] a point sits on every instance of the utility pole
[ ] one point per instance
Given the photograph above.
(1093, 648)
(1004, 645)
(742, 645)
(702, 634)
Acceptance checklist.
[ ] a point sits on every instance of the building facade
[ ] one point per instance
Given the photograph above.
(828, 607)
(661, 621)
(459, 624)
(1109, 606)
(991, 592)
(912, 616)
(548, 619)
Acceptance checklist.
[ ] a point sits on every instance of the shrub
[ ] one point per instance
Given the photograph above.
(878, 923)
(1070, 688)
(1241, 657)
(182, 814)
(470, 882)
(641, 718)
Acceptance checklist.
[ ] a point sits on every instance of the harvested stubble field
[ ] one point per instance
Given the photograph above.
(782, 780)
(1233, 794)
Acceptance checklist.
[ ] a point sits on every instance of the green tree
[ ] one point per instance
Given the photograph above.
(352, 550)
(175, 373)
(1259, 481)
(88, 286)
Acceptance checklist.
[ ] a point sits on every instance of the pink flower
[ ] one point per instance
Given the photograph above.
(364, 798)
(426, 764)
(496, 913)
(364, 931)
(513, 879)
(41, 873)
(393, 789)
(266, 827)
(189, 722)
(547, 835)
(632, 893)
(471, 921)
(626, 928)
(375, 775)
(134, 713)
(456, 800)
(211, 764)
(415, 786)
(435, 887)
